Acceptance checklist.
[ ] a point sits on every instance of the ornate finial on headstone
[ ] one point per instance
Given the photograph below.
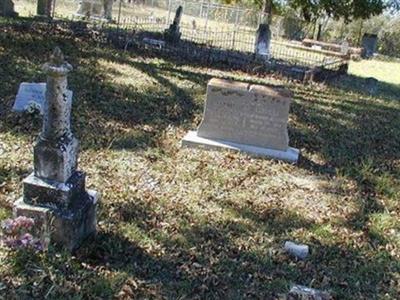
(57, 66)
(57, 57)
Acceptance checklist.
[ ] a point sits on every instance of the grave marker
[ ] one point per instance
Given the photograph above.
(369, 43)
(55, 194)
(245, 117)
(31, 96)
(173, 34)
(263, 42)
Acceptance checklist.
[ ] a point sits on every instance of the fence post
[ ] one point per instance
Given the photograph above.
(201, 9)
(119, 15)
(169, 11)
(235, 28)
(208, 10)
(53, 13)
(206, 25)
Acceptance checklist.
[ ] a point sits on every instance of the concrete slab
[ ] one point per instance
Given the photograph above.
(193, 140)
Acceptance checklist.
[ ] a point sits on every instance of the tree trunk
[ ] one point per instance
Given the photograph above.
(319, 33)
(267, 10)
(44, 7)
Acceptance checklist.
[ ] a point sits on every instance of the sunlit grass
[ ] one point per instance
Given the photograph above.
(385, 71)
(181, 223)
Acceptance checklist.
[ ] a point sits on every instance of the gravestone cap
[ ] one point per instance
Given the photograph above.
(255, 88)
(272, 92)
(57, 57)
(57, 66)
(233, 85)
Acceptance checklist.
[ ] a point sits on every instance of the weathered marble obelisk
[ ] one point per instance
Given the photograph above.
(55, 195)
(173, 34)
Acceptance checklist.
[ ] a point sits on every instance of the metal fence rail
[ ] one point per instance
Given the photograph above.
(208, 24)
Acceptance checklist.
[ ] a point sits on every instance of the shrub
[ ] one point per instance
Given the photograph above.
(17, 234)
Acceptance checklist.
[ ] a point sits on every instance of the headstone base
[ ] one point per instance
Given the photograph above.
(94, 17)
(66, 228)
(172, 34)
(262, 58)
(193, 140)
(51, 193)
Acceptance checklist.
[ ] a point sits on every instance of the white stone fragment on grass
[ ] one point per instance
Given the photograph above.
(298, 250)
(299, 292)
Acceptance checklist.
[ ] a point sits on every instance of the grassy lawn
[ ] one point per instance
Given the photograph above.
(190, 224)
(385, 71)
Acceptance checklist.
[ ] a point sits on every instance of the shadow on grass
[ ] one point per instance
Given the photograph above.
(356, 136)
(97, 99)
(210, 264)
(366, 87)
(206, 260)
(8, 174)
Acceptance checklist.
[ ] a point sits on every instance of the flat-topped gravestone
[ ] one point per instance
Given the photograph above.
(244, 117)
(263, 41)
(32, 96)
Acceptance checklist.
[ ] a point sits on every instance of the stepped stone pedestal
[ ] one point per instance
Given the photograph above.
(55, 194)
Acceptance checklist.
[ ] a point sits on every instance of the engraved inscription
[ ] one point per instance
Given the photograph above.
(252, 116)
(30, 95)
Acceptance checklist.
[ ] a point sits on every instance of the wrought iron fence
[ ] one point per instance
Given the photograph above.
(204, 23)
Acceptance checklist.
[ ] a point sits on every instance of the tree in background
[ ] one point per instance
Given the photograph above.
(313, 9)
(317, 12)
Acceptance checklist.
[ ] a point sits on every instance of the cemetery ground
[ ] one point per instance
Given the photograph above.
(181, 223)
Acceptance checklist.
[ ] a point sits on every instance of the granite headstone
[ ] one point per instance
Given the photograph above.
(245, 117)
